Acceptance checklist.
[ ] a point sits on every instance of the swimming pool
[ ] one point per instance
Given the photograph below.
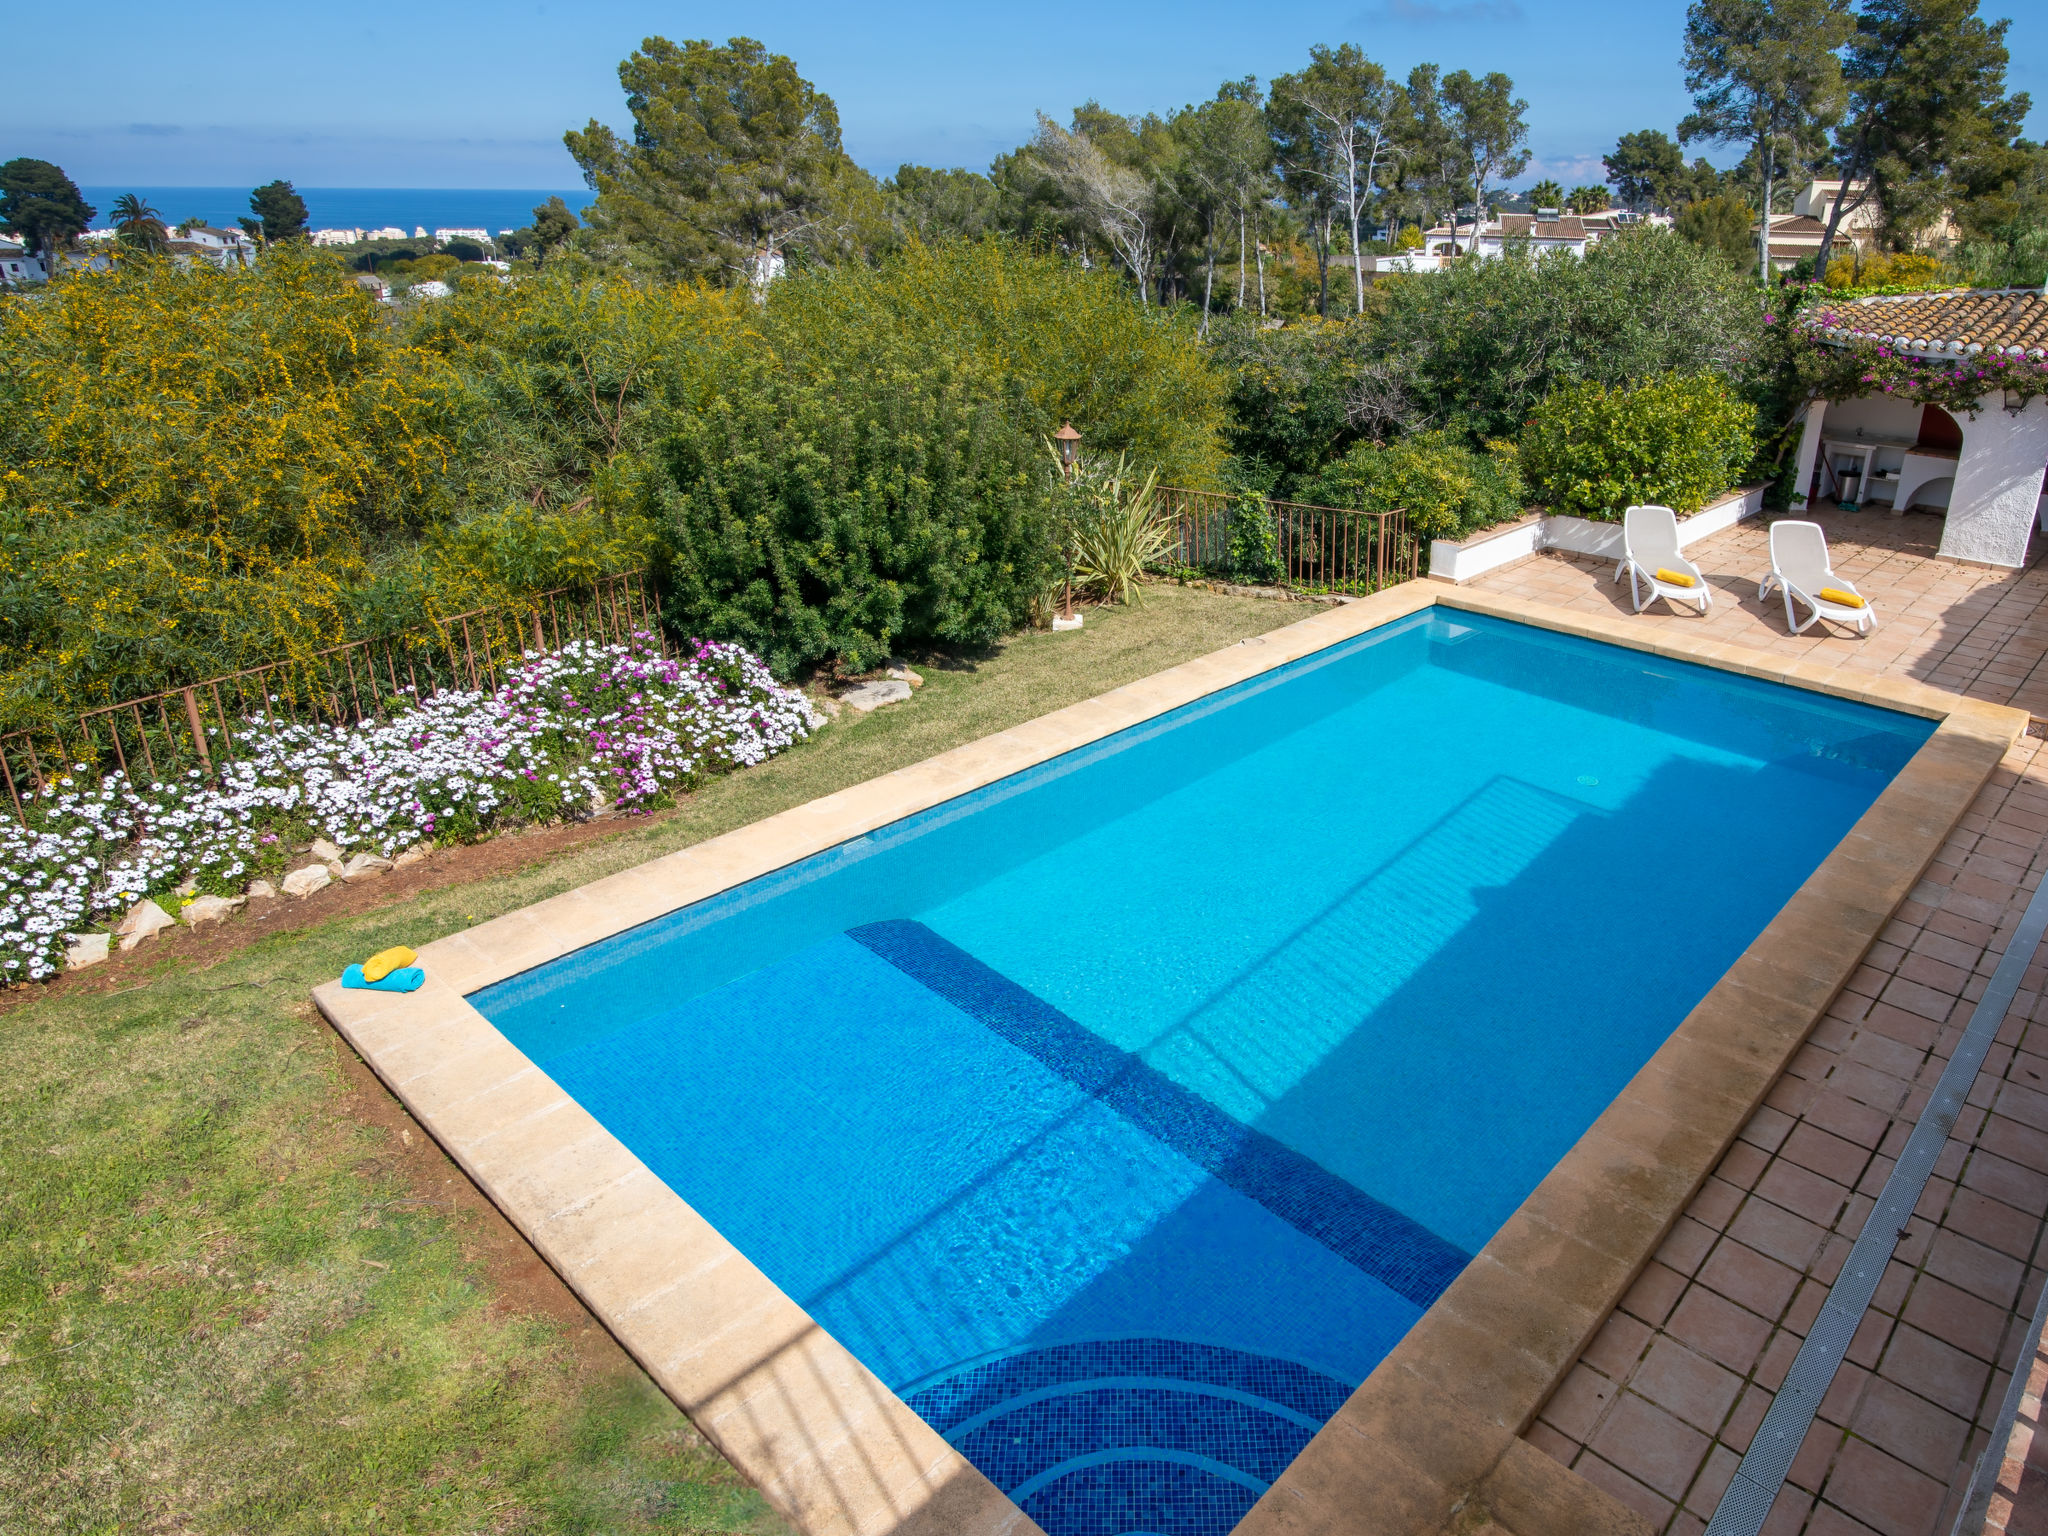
(1122, 1114)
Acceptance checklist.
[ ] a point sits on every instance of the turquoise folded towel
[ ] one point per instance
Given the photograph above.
(405, 979)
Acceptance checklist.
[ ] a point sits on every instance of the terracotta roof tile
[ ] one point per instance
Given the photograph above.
(2008, 321)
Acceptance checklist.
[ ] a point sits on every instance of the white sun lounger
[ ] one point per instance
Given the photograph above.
(1800, 569)
(1649, 544)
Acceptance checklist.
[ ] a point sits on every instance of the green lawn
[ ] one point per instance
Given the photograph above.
(239, 1293)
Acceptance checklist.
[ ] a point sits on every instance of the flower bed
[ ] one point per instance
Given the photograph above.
(571, 732)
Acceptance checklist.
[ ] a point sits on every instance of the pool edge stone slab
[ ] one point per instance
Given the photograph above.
(1432, 1437)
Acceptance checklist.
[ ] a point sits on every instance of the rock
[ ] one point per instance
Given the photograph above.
(905, 675)
(210, 909)
(1331, 598)
(866, 697)
(86, 949)
(264, 889)
(412, 855)
(325, 851)
(188, 888)
(145, 920)
(825, 705)
(364, 864)
(304, 882)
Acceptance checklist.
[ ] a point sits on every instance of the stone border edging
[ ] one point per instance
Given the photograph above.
(1460, 561)
(1436, 1428)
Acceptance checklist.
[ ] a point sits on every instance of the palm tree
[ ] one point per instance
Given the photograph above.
(1546, 194)
(137, 222)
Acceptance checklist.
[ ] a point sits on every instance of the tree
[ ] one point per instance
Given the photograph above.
(1546, 194)
(1646, 169)
(1926, 98)
(1225, 163)
(280, 212)
(1765, 73)
(553, 225)
(1719, 224)
(1337, 121)
(734, 159)
(1115, 200)
(42, 205)
(1490, 124)
(1587, 199)
(1432, 167)
(137, 223)
(938, 205)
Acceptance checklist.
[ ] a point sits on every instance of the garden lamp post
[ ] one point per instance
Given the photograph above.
(1068, 441)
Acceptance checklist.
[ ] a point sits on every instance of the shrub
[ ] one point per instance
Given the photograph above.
(1910, 270)
(1289, 391)
(1478, 345)
(571, 729)
(1064, 342)
(818, 516)
(1254, 541)
(1446, 488)
(1593, 451)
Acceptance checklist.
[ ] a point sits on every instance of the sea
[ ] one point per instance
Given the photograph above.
(406, 208)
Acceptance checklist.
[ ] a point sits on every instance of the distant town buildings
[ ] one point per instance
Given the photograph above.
(481, 236)
(1547, 229)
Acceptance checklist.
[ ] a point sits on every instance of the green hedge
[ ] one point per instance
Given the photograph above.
(1447, 489)
(819, 517)
(1677, 442)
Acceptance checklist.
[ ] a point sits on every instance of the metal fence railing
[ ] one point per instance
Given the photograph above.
(1320, 549)
(157, 735)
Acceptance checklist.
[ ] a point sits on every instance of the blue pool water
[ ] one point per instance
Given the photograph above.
(1122, 1115)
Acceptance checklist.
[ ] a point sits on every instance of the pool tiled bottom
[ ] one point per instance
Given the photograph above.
(1131, 1437)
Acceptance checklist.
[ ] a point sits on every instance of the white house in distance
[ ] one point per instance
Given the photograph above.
(18, 266)
(1982, 471)
(222, 247)
(1547, 229)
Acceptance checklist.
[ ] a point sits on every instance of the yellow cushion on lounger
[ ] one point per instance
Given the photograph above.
(378, 966)
(1674, 578)
(1838, 596)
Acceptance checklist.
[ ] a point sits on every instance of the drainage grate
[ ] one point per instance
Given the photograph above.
(1747, 1502)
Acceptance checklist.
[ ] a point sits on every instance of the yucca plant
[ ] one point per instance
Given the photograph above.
(1114, 530)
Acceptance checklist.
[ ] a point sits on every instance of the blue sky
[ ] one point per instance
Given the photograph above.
(477, 95)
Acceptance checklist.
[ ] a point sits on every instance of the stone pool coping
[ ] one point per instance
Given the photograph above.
(1432, 1438)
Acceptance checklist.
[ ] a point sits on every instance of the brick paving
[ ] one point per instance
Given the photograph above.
(1965, 628)
(1664, 1400)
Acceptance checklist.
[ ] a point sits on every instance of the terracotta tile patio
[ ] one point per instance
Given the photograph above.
(1665, 1399)
(1965, 628)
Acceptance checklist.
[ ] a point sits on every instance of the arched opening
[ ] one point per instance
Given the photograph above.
(1933, 495)
(1940, 431)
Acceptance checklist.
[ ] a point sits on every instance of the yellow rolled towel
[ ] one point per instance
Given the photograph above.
(380, 965)
(1838, 596)
(1675, 578)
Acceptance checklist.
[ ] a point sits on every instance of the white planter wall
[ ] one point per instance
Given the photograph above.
(1469, 559)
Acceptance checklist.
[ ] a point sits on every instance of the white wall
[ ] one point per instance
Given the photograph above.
(1876, 416)
(1992, 512)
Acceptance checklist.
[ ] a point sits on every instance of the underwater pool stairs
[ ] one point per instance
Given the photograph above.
(1157, 1435)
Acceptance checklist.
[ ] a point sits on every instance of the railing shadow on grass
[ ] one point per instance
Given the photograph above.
(157, 736)
(1317, 549)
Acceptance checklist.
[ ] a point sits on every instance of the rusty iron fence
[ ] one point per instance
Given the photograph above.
(159, 735)
(1320, 549)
